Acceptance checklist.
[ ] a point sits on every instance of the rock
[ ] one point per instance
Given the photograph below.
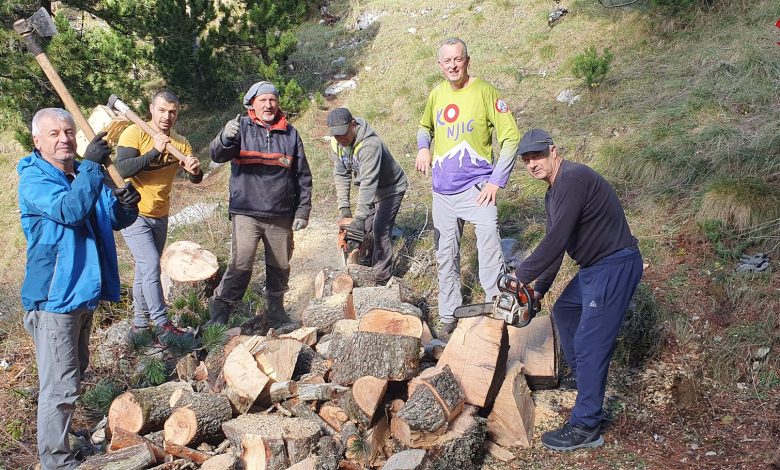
(761, 353)
(366, 19)
(411, 30)
(338, 87)
(339, 62)
(567, 96)
(192, 214)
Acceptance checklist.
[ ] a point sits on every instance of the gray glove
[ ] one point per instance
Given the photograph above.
(230, 132)
(299, 224)
(345, 212)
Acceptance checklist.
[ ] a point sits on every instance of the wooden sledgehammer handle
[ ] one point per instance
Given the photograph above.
(119, 106)
(70, 104)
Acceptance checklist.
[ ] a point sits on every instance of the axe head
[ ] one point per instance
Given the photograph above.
(39, 23)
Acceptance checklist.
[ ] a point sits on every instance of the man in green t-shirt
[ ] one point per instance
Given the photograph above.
(460, 117)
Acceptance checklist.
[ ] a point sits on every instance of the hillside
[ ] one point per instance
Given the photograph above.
(685, 125)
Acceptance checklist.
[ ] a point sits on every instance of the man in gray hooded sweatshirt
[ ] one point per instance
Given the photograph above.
(360, 157)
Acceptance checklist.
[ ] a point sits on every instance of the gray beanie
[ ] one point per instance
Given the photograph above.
(259, 88)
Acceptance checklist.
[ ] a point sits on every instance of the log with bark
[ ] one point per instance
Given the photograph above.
(309, 463)
(306, 335)
(186, 453)
(320, 392)
(258, 453)
(303, 411)
(334, 415)
(384, 356)
(361, 402)
(198, 417)
(367, 298)
(511, 422)
(290, 440)
(186, 367)
(390, 322)
(220, 462)
(353, 443)
(435, 399)
(244, 382)
(536, 346)
(122, 438)
(135, 457)
(362, 276)
(278, 392)
(331, 281)
(411, 459)
(323, 313)
(144, 409)
(476, 354)
(329, 453)
(186, 267)
(309, 362)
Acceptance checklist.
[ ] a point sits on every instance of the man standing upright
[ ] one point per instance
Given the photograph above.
(270, 196)
(68, 217)
(144, 160)
(585, 220)
(460, 116)
(360, 157)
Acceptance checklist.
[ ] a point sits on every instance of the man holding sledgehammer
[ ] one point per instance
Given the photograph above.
(143, 159)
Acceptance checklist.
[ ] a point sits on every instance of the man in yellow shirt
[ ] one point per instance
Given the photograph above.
(143, 160)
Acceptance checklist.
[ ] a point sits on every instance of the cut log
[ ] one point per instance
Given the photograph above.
(197, 418)
(329, 453)
(362, 276)
(427, 336)
(185, 267)
(220, 462)
(302, 410)
(536, 347)
(276, 358)
(354, 445)
(346, 327)
(295, 438)
(121, 439)
(309, 463)
(323, 313)
(102, 118)
(367, 298)
(307, 335)
(258, 453)
(412, 459)
(362, 401)
(186, 453)
(278, 392)
(333, 415)
(444, 387)
(384, 356)
(392, 323)
(376, 438)
(511, 423)
(310, 362)
(144, 409)
(331, 281)
(215, 361)
(186, 367)
(244, 381)
(476, 354)
(320, 392)
(135, 457)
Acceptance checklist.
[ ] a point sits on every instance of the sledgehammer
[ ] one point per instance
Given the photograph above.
(119, 106)
(40, 24)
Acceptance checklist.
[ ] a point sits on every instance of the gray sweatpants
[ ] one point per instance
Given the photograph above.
(146, 240)
(62, 353)
(449, 213)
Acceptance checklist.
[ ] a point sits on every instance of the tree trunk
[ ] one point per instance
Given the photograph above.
(144, 409)
(198, 418)
(384, 356)
(331, 281)
(511, 423)
(323, 313)
(244, 381)
(476, 354)
(121, 439)
(186, 266)
(392, 323)
(536, 346)
(135, 457)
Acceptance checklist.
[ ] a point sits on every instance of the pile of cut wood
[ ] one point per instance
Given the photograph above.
(362, 384)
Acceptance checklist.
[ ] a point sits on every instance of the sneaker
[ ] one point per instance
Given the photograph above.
(168, 330)
(445, 330)
(568, 382)
(571, 437)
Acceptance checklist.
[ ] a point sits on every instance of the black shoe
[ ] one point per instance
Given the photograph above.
(445, 330)
(568, 382)
(571, 437)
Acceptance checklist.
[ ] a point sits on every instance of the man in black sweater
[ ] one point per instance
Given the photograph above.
(585, 220)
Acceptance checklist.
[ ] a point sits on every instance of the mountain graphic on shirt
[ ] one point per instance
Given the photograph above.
(457, 168)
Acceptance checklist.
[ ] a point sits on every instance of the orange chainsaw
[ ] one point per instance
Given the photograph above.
(515, 304)
(350, 250)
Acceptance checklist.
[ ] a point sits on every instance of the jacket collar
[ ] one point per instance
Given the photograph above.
(37, 159)
(279, 125)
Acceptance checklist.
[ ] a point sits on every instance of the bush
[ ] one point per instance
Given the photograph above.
(592, 67)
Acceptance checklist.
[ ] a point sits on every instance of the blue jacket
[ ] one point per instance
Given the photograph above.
(71, 255)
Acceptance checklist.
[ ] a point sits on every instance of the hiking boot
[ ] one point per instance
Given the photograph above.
(168, 330)
(445, 330)
(274, 310)
(219, 312)
(571, 437)
(568, 382)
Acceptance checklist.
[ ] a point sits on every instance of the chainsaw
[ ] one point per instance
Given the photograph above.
(350, 250)
(515, 304)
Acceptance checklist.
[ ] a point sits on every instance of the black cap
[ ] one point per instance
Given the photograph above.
(535, 140)
(338, 121)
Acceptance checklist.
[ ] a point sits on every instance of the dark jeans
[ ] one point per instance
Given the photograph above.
(379, 226)
(588, 316)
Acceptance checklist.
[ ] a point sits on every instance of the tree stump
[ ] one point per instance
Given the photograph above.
(476, 354)
(143, 410)
(331, 281)
(198, 417)
(323, 313)
(392, 323)
(383, 356)
(244, 381)
(135, 457)
(536, 346)
(186, 266)
(511, 423)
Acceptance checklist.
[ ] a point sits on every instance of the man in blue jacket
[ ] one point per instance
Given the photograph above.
(270, 196)
(68, 216)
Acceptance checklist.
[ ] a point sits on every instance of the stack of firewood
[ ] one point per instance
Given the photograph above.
(362, 384)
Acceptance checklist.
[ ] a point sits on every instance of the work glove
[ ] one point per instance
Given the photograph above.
(345, 212)
(98, 150)
(299, 224)
(128, 196)
(230, 132)
(356, 230)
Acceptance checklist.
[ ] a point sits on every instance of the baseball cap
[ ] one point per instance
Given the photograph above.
(338, 121)
(535, 140)
(259, 88)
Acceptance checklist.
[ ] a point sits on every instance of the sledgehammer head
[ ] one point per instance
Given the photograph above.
(39, 23)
